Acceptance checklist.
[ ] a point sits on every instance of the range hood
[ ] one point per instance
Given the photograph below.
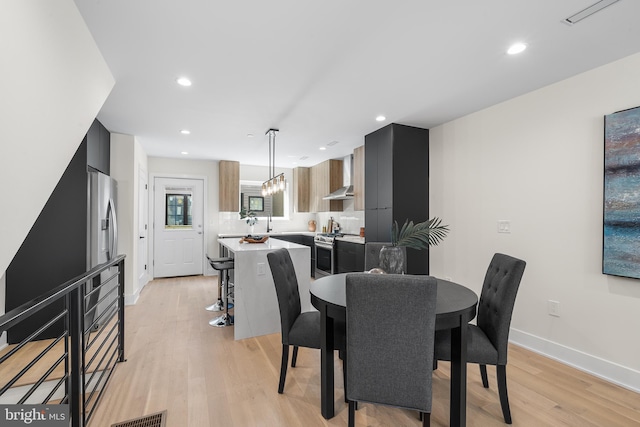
(345, 192)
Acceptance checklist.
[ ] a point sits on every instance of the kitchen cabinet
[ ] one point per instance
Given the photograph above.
(98, 140)
(358, 178)
(301, 239)
(325, 177)
(301, 183)
(397, 185)
(349, 256)
(229, 193)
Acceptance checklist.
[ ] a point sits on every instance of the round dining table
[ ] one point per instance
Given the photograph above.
(455, 308)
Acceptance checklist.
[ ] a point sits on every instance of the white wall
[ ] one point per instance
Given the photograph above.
(53, 82)
(537, 161)
(127, 158)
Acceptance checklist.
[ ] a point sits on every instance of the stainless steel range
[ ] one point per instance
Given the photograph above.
(325, 256)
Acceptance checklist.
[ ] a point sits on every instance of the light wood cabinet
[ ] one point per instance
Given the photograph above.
(229, 193)
(358, 178)
(325, 177)
(301, 189)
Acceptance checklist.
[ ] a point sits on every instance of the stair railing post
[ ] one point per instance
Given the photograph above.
(121, 310)
(76, 314)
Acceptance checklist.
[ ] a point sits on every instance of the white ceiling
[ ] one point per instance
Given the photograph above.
(322, 71)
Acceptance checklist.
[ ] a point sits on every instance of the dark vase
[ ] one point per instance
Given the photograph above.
(392, 259)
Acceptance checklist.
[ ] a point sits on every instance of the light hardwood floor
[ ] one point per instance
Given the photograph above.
(202, 377)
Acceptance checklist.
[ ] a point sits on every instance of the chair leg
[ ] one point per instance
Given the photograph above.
(344, 375)
(352, 413)
(426, 419)
(283, 367)
(501, 373)
(294, 357)
(483, 374)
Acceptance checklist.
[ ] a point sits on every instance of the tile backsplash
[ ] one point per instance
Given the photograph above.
(350, 221)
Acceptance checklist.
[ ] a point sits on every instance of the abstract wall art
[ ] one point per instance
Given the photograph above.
(621, 231)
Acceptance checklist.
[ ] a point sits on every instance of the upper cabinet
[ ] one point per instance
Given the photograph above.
(358, 178)
(325, 177)
(301, 193)
(229, 193)
(99, 147)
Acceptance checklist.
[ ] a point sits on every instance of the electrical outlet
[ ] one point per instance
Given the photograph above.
(504, 226)
(262, 269)
(553, 308)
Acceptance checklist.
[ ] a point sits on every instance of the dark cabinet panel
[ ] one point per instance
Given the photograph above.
(301, 239)
(385, 172)
(397, 185)
(349, 257)
(99, 147)
(371, 172)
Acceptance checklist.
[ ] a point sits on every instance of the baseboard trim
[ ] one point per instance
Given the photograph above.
(609, 371)
(132, 298)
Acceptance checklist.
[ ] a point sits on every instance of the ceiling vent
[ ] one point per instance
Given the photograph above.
(596, 7)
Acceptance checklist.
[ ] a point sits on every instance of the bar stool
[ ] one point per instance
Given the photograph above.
(218, 305)
(226, 319)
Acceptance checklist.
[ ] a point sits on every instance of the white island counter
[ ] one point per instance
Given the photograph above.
(255, 301)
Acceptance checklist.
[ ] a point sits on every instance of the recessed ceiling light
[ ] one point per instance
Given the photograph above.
(249, 135)
(185, 131)
(183, 81)
(184, 153)
(323, 148)
(381, 119)
(516, 48)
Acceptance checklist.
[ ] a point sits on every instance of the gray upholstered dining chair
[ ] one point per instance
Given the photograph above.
(299, 329)
(390, 350)
(487, 342)
(372, 254)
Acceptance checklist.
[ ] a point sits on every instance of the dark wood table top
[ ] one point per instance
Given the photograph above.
(453, 300)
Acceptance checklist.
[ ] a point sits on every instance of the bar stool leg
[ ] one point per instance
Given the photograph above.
(226, 319)
(218, 305)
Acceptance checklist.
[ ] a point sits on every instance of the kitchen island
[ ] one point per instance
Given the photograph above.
(255, 301)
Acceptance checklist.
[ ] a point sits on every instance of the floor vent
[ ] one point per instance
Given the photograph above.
(154, 420)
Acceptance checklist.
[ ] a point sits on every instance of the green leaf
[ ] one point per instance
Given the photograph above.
(420, 235)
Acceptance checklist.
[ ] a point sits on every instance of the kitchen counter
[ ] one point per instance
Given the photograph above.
(352, 238)
(273, 234)
(256, 304)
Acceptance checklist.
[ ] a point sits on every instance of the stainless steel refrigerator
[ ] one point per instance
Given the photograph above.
(102, 245)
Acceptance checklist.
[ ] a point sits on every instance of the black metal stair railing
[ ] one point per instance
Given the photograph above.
(74, 367)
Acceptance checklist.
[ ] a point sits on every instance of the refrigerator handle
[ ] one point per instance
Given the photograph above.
(113, 243)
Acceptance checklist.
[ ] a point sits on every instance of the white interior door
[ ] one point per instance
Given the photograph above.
(143, 229)
(178, 232)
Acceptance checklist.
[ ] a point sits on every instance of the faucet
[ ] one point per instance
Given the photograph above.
(268, 221)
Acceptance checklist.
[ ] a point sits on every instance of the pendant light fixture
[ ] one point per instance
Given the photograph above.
(275, 183)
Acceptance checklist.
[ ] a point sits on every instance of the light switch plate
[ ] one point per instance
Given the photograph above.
(553, 308)
(504, 226)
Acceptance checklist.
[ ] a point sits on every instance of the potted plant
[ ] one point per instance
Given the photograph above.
(249, 217)
(417, 236)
